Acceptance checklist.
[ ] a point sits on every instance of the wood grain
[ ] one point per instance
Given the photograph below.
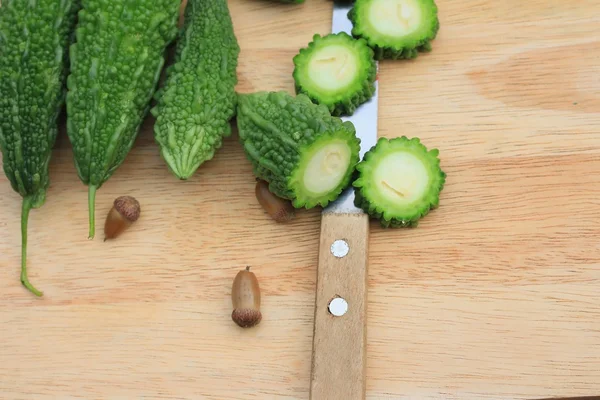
(493, 296)
(339, 341)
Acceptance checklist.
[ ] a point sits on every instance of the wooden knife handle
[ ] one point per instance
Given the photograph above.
(339, 342)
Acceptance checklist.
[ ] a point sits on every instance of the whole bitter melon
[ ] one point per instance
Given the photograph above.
(305, 154)
(115, 67)
(34, 40)
(395, 29)
(399, 181)
(336, 70)
(198, 100)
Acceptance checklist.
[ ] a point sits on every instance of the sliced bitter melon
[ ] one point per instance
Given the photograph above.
(306, 155)
(395, 29)
(399, 181)
(336, 70)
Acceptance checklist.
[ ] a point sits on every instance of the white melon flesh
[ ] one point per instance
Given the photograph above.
(401, 178)
(395, 18)
(333, 67)
(327, 167)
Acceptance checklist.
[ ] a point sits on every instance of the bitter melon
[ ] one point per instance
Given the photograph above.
(305, 154)
(115, 66)
(34, 40)
(399, 181)
(336, 70)
(198, 100)
(395, 29)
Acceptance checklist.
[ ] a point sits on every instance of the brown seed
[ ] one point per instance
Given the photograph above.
(245, 296)
(279, 209)
(125, 211)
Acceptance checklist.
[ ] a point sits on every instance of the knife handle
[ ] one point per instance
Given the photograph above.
(339, 342)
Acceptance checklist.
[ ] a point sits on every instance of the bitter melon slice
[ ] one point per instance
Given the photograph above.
(399, 181)
(337, 71)
(395, 29)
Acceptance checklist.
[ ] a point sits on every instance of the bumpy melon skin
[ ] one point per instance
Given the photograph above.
(34, 40)
(115, 65)
(198, 100)
(365, 190)
(278, 132)
(407, 47)
(344, 101)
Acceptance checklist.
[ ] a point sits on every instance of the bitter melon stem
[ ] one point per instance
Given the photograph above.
(92, 210)
(27, 205)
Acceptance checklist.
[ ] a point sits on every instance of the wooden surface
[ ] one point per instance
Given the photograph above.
(494, 296)
(339, 342)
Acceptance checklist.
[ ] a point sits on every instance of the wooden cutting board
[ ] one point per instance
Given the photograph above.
(493, 296)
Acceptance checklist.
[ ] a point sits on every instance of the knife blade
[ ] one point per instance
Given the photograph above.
(364, 118)
(338, 369)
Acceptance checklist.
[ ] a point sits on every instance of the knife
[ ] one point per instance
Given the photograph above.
(339, 337)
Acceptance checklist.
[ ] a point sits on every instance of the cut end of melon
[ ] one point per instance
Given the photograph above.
(326, 166)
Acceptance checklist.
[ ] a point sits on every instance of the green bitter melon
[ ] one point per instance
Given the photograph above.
(336, 70)
(399, 181)
(34, 40)
(395, 29)
(198, 100)
(115, 67)
(305, 154)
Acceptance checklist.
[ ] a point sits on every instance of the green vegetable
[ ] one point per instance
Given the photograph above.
(198, 100)
(115, 66)
(305, 154)
(336, 70)
(395, 29)
(34, 38)
(399, 182)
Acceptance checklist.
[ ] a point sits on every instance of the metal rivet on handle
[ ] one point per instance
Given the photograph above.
(338, 306)
(340, 248)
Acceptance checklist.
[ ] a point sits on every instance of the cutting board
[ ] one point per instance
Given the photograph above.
(493, 296)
